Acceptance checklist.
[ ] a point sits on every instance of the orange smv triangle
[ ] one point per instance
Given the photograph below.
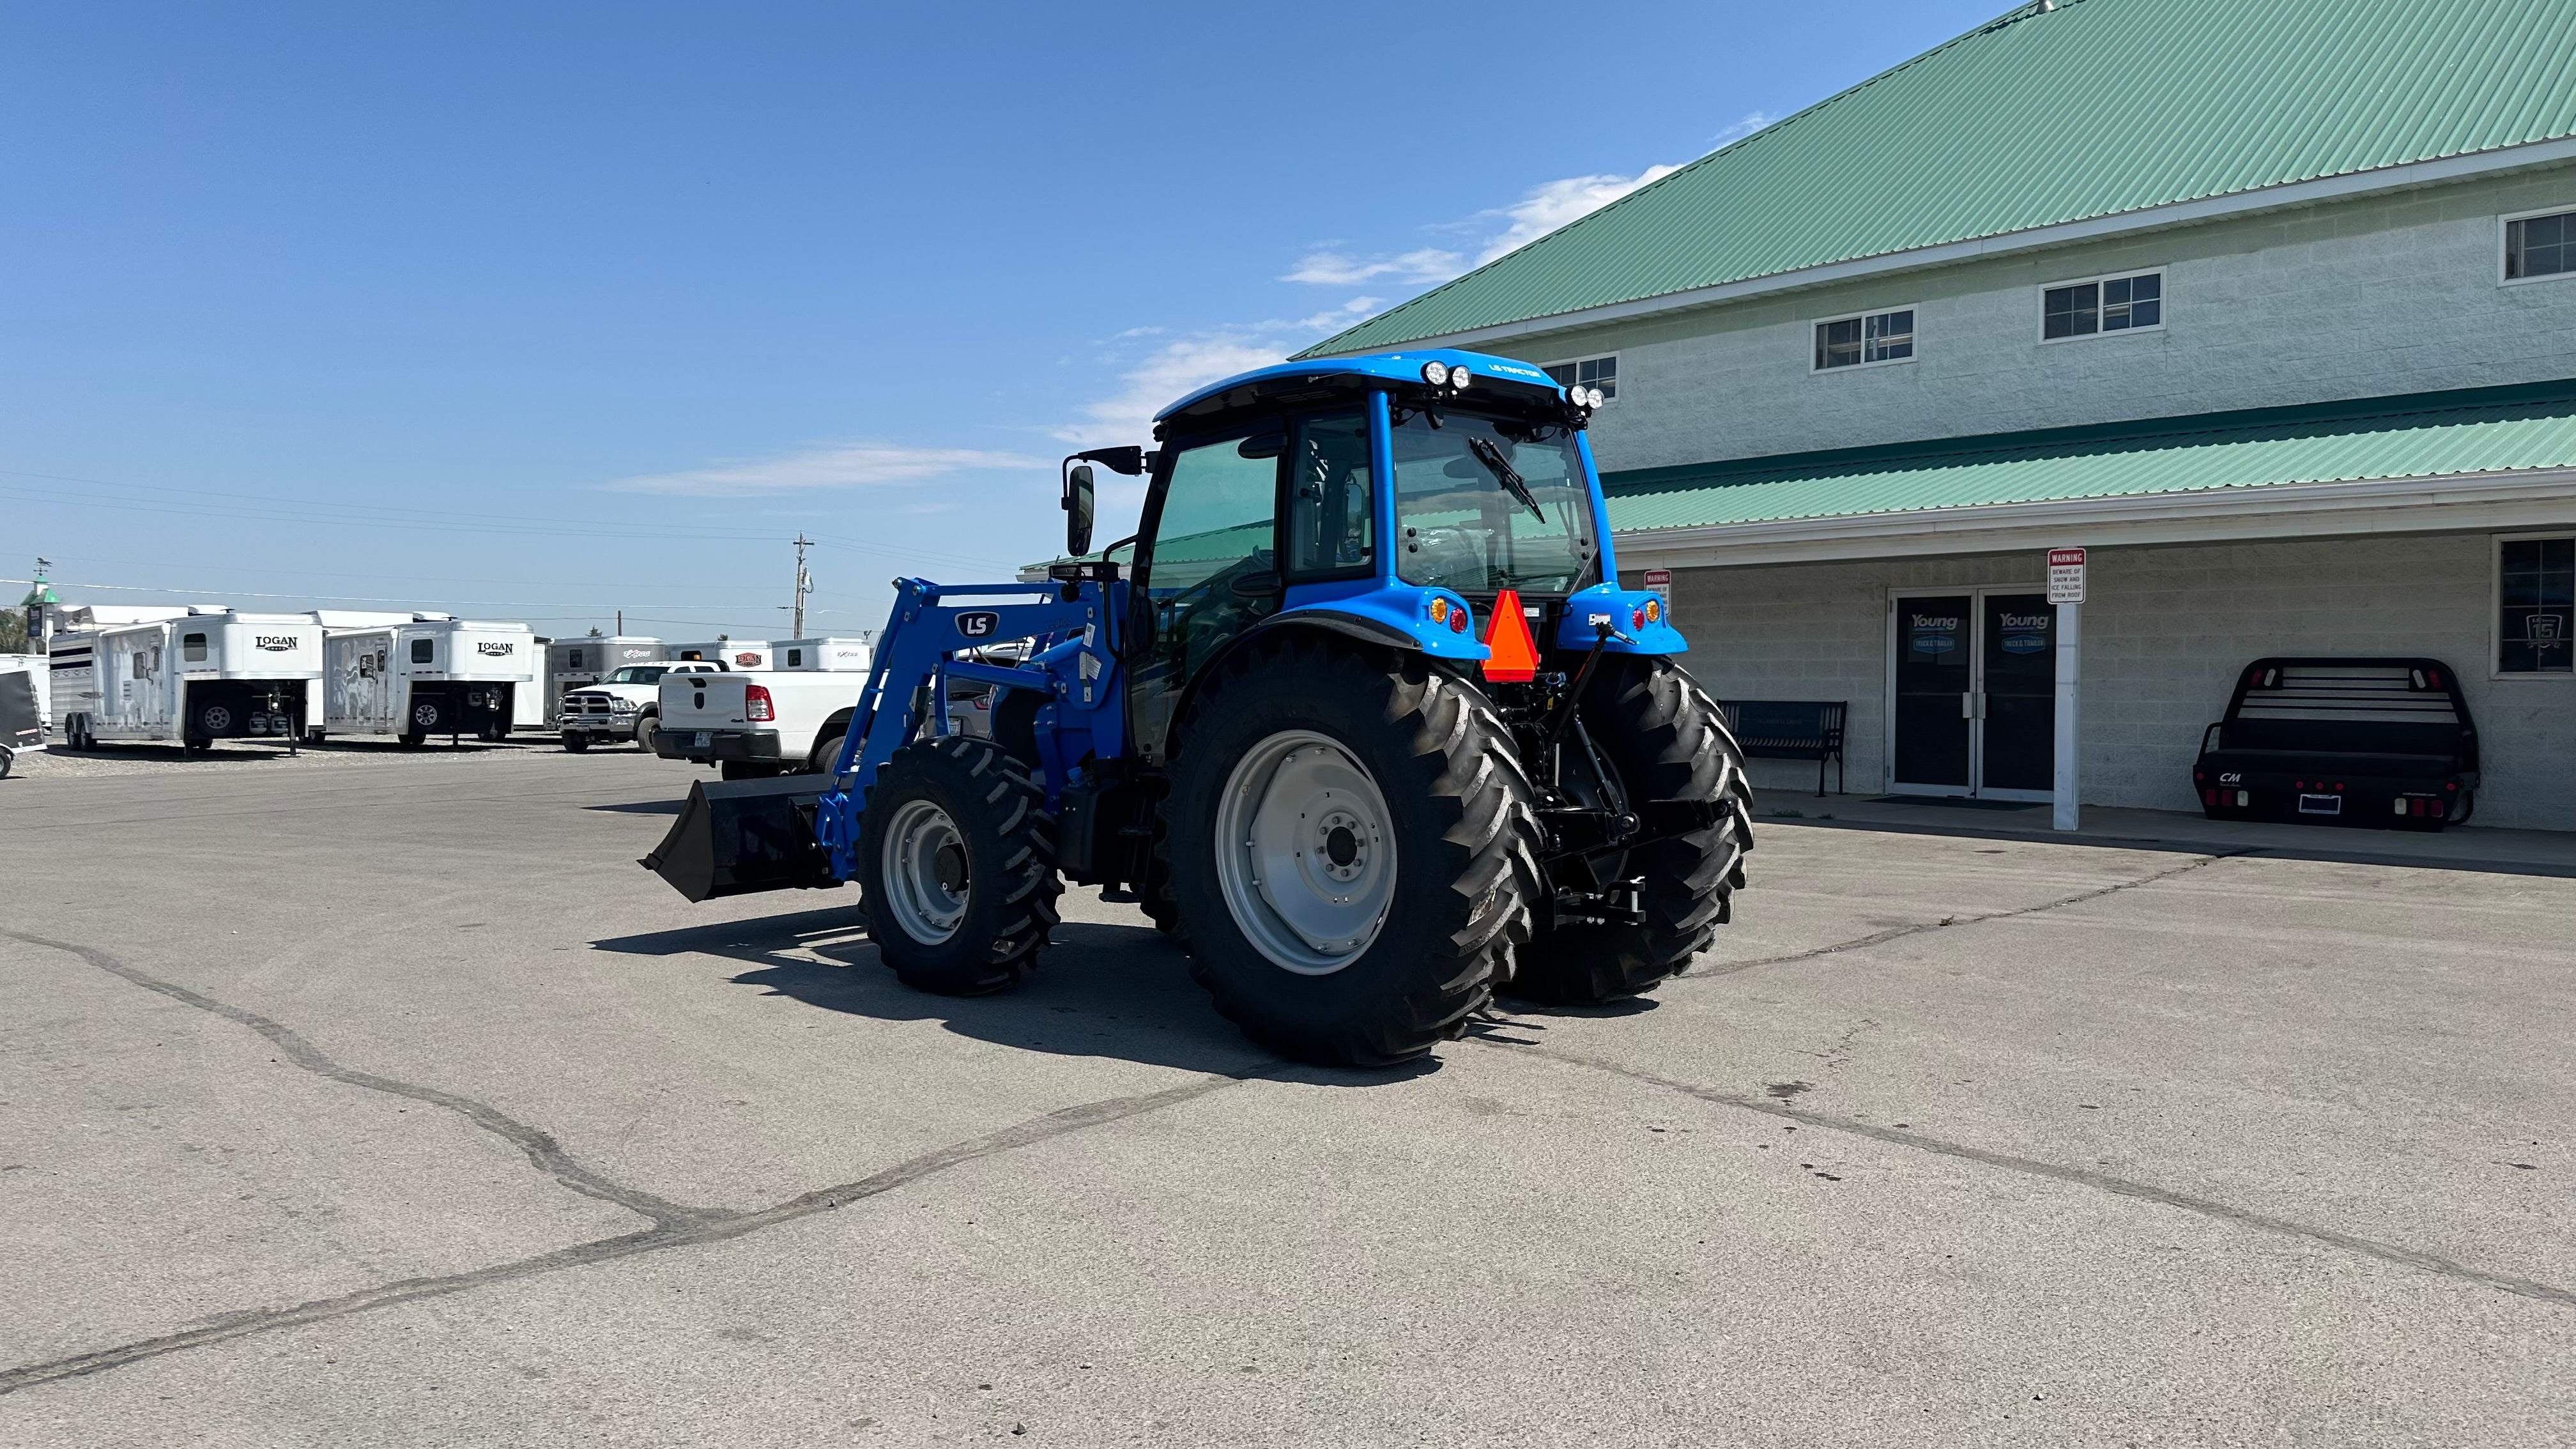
(1515, 658)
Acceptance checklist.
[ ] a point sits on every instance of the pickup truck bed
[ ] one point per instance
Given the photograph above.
(756, 724)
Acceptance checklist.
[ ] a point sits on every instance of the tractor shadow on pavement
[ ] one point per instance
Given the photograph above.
(1101, 990)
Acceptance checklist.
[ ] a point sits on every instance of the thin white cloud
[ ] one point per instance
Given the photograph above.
(1185, 364)
(1753, 121)
(1541, 209)
(1336, 269)
(838, 465)
(1553, 204)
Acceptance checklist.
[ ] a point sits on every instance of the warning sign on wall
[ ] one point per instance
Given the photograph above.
(2066, 576)
(1661, 582)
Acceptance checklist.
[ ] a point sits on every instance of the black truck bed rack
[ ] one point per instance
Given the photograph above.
(2347, 741)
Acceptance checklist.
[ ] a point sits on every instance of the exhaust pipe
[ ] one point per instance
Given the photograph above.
(740, 837)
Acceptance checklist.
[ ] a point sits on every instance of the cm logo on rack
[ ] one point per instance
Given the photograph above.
(978, 625)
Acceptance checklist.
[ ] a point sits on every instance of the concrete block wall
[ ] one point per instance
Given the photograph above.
(2380, 295)
(2164, 634)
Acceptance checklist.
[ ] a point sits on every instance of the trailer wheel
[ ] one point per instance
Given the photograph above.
(957, 859)
(428, 717)
(1353, 848)
(214, 720)
(574, 743)
(1668, 742)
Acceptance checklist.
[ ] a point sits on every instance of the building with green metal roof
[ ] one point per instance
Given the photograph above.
(2271, 309)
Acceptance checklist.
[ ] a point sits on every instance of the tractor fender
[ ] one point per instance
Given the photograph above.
(1311, 619)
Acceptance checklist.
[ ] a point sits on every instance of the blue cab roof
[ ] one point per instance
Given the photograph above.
(1405, 366)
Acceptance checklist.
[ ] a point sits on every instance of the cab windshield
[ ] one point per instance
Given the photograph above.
(1486, 504)
(639, 674)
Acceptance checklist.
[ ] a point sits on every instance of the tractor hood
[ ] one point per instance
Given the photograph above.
(1498, 379)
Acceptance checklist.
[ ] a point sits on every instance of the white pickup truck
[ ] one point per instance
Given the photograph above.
(624, 706)
(749, 725)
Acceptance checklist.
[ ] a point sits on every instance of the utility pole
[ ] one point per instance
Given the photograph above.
(621, 623)
(804, 583)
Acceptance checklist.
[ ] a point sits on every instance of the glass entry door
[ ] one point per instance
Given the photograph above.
(1974, 680)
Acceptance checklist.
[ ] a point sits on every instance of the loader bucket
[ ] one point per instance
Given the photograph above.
(738, 837)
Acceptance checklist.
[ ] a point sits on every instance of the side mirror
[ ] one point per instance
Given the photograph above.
(1078, 510)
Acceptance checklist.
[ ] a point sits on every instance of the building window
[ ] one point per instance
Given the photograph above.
(2535, 605)
(192, 648)
(2102, 304)
(1600, 372)
(2539, 246)
(1869, 338)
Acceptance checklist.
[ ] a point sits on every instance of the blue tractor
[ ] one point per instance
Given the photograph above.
(1361, 717)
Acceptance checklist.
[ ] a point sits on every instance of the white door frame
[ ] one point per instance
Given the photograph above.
(1975, 643)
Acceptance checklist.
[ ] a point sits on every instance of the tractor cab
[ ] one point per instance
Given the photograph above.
(1397, 498)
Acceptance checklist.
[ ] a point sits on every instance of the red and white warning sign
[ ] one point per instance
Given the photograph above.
(2066, 576)
(1660, 582)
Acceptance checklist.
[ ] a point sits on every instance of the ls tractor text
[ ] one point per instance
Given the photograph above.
(1361, 717)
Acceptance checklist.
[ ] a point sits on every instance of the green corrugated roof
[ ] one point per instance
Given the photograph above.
(2091, 109)
(2425, 435)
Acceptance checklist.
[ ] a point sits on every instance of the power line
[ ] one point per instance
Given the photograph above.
(193, 503)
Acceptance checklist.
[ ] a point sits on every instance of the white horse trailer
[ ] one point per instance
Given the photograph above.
(749, 654)
(206, 675)
(819, 656)
(434, 675)
(572, 663)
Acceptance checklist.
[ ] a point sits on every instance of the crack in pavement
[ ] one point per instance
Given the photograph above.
(706, 1229)
(541, 1148)
(2082, 1177)
(1898, 933)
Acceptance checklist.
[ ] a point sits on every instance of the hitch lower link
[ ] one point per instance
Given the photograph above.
(1621, 903)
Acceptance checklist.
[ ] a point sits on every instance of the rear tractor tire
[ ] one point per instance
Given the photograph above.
(1353, 849)
(1667, 741)
(957, 859)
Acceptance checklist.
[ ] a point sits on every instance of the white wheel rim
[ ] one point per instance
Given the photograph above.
(923, 866)
(1305, 852)
(424, 715)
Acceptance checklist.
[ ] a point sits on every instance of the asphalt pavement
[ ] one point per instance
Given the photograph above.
(380, 1099)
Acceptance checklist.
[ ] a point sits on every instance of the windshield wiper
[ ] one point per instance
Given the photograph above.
(1501, 467)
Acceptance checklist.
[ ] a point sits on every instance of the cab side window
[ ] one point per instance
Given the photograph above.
(1212, 568)
(1331, 521)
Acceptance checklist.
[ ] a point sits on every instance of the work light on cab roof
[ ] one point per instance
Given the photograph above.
(1361, 715)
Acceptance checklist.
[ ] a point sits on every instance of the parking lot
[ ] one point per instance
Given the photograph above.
(382, 1099)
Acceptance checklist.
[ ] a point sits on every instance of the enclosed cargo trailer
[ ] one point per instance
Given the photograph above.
(819, 656)
(433, 675)
(209, 674)
(731, 653)
(574, 663)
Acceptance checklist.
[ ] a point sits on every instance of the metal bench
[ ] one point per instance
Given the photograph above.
(2384, 742)
(1791, 729)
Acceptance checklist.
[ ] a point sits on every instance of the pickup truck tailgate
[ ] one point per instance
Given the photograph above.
(704, 702)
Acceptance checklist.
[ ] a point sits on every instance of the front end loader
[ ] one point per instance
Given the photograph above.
(1361, 716)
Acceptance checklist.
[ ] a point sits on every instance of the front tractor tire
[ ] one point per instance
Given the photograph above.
(957, 859)
(1352, 849)
(1667, 741)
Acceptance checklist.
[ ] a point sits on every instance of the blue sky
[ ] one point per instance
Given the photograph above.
(542, 311)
